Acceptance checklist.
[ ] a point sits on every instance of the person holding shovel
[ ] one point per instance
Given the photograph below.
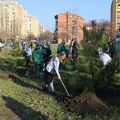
(51, 68)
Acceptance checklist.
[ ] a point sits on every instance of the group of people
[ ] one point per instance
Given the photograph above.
(111, 52)
(70, 50)
(45, 65)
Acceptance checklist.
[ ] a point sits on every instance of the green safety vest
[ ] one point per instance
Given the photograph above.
(59, 48)
(116, 48)
(37, 55)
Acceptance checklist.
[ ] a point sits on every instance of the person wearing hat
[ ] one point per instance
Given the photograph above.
(37, 59)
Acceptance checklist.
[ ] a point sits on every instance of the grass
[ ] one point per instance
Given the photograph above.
(22, 98)
(27, 102)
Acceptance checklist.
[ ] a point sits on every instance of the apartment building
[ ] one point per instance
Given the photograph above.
(42, 28)
(15, 21)
(34, 26)
(68, 26)
(115, 17)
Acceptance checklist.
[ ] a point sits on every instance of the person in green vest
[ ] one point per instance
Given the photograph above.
(65, 49)
(49, 45)
(37, 59)
(116, 52)
(59, 47)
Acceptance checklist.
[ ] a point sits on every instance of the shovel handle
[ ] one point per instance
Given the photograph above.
(64, 87)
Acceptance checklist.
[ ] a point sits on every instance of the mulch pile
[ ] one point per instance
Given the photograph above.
(88, 103)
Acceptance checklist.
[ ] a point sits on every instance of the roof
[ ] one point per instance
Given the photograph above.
(69, 13)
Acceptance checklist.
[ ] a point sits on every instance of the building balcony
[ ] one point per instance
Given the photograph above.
(118, 15)
(118, 21)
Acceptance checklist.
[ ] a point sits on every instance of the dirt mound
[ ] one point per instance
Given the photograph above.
(6, 75)
(88, 103)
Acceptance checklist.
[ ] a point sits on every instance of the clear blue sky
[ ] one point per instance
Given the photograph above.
(45, 10)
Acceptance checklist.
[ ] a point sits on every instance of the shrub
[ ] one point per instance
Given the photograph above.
(16, 50)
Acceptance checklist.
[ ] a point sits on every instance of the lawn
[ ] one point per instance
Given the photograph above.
(23, 98)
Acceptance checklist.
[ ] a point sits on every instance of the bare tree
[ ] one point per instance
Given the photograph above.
(64, 35)
(46, 35)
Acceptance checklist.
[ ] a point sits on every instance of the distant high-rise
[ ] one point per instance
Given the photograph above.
(16, 21)
(68, 26)
(115, 17)
(42, 28)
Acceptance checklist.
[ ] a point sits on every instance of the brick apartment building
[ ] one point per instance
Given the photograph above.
(68, 26)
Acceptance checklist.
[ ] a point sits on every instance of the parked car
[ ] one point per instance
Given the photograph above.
(1, 46)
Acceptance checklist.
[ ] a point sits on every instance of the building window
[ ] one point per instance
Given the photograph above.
(6, 6)
(118, 12)
(74, 22)
(118, 19)
(118, 6)
(118, 26)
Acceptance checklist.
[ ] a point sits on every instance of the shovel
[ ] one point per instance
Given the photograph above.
(64, 87)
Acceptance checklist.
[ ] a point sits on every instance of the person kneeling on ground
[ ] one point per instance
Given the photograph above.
(51, 68)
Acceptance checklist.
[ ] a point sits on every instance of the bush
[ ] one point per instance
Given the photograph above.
(12, 65)
(16, 50)
(91, 74)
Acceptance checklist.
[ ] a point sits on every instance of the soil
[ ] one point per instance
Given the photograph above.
(6, 75)
(88, 103)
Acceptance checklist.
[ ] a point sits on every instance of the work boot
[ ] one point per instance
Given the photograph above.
(27, 74)
(45, 89)
(54, 94)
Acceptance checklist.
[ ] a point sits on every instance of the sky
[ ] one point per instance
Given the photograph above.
(45, 10)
